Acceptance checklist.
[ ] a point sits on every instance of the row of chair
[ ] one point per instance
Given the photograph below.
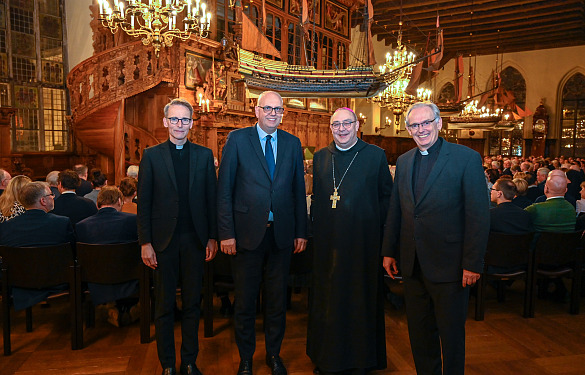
(45, 267)
(530, 257)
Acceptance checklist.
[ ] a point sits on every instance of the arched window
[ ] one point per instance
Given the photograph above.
(341, 56)
(294, 43)
(447, 94)
(573, 117)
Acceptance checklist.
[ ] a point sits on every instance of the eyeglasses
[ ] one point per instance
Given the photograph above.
(268, 109)
(494, 189)
(424, 124)
(49, 195)
(175, 120)
(346, 125)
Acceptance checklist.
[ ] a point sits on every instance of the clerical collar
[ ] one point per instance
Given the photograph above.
(178, 147)
(345, 149)
(434, 148)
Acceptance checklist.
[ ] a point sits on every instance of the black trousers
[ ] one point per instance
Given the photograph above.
(249, 267)
(180, 264)
(436, 314)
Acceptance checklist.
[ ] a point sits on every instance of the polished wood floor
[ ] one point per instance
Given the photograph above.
(504, 343)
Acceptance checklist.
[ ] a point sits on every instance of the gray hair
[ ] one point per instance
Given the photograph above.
(179, 101)
(431, 105)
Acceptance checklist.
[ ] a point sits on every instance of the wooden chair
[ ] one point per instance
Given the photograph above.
(506, 251)
(218, 274)
(39, 268)
(558, 255)
(114, 264)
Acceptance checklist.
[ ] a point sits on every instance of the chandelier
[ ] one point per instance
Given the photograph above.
(472, 116)
(156, 23)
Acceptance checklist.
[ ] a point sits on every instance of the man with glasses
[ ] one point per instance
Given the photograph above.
(438, 225)
(262, 217)
(177, 229)
(351, 187)
(35, 227)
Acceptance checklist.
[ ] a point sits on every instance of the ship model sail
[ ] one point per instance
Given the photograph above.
(299, 81)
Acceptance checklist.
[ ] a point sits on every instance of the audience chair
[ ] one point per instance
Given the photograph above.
(39, 268)
(558, 255)
(218, 275)
(509, 254)
(114, 264)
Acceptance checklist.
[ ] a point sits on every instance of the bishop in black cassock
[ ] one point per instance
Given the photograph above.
(352, 186)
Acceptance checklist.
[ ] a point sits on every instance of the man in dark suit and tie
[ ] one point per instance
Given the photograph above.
(69, 204)
(262, 216)
(438, 225)
(35, 227)
(177, 228)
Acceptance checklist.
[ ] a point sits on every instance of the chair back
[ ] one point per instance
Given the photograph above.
(37, 267)
(558, 249)
(109, 264)
(508, 250)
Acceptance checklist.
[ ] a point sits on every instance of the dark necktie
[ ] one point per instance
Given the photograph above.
(269, 155)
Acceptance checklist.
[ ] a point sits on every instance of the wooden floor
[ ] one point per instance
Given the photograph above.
(504, 343)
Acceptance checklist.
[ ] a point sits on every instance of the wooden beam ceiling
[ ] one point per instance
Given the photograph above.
(480, 27)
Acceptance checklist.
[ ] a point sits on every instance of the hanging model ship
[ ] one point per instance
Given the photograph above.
(299, 81)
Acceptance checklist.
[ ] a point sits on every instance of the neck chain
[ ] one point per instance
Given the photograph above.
(336, 197)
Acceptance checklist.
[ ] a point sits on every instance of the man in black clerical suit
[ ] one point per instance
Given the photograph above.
(110, 226)
(351, 187)
(262, 215)
(69, 204)
(35, 227)
(506, 217)
(177, 228)
(438, 224)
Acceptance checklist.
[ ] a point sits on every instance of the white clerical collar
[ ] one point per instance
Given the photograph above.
(423, 152)
(345, 149)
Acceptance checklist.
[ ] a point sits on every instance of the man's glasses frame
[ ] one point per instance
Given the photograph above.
(268, 109)
(424, 124)
(175, 120)
(346, 125)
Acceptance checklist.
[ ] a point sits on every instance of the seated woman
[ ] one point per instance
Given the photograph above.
(98, 180)
(521, 200)
(10, 206)
(128, 189)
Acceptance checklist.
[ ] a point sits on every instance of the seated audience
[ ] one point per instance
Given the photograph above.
(10, 206)
(85, 186)
(128, 189)
(536, 190)
(98, 179)
(69, 204)
(521, 187)
(581, 202)
(506, 217)
(35, 227)
(110, 226)
(4, 180)
(560, 173)
(556, 214)
(53, 181)
(575, 178)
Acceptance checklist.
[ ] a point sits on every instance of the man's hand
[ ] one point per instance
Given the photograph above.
(390, 266)
(300, 245)
(469, 278)
(229, 246)
(210, 250)
(148, 255)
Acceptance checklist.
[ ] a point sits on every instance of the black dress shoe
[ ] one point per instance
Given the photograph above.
(190, 369)
(245, 368)
(276, 365)
(169, 371)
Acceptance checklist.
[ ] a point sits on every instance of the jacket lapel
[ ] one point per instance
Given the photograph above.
(192, 163)
(437, 168)
(280, 152)
(168, 161)
(409, 172)
(255, 143)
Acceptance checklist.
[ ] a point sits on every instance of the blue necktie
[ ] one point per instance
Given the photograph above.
(269, 155)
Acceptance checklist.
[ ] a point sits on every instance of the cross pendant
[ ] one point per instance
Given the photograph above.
(335, 197)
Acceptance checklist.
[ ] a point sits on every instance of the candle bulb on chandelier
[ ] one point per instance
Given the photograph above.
(207, 104)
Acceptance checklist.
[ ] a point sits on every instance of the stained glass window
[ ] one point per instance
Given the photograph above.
(573, 117)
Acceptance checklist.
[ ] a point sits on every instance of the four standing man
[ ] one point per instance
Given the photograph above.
(437, 220)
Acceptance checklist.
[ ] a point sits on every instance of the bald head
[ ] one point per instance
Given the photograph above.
(556, 186)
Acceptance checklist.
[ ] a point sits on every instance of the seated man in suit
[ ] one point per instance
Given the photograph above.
(76, 208)
(35, 227)
(556, 214)
(110, 226)
(506, 217)
(562, 174)
(84, 187)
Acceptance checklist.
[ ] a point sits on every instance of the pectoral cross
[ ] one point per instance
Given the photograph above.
(335, 197)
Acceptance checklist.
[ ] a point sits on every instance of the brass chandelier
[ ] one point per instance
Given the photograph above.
(156, 21)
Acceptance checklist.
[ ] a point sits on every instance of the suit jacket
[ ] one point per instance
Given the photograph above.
(158, 209)
(553, 215)
(246, 194)
(74, 207)
(108, 226)
(509, 218)
(84, 188)
(36, 228)
(448, 227)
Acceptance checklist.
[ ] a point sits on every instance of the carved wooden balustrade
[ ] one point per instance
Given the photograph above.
(115, 74)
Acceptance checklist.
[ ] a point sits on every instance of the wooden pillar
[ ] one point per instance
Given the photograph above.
(119, 160)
